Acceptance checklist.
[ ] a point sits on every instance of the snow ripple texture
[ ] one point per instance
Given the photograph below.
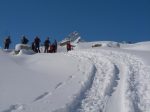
(135, 81)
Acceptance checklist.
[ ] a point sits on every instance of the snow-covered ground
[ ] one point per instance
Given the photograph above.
(112, 78)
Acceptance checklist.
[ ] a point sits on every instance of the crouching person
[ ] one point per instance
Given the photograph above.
(51, 48)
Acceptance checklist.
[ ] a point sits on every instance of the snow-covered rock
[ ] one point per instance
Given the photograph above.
(73, 37)
(23, 49)
(22, 46)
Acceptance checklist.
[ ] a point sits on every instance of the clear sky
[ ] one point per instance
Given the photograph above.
(117, 20)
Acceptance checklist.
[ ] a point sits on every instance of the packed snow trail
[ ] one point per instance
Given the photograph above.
(119, 85)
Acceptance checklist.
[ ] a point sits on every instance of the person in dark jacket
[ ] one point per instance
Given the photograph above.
(24, 40)
(46, 45)
(37, 44)
(7, 42)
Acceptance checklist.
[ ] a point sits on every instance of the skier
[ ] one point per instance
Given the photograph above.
(37, 44)
(69, 46)
(46, 45)
(7, 41)
(24, 40)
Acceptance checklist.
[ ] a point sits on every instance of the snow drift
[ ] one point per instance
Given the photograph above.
(113, 77)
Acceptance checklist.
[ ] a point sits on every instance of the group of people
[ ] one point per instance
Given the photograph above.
(48, 46)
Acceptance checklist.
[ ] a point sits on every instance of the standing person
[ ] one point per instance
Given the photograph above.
(24, 40)
(37, 44)
(55, 46)
(69, 46)
(46, 45)
(7, 41)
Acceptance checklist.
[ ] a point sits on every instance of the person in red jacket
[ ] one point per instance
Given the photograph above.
(69, 46)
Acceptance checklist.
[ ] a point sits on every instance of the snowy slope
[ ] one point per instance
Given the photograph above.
(109, 78)
(138, 46)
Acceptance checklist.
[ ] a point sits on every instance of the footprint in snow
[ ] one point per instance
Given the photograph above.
(58, 85)
(70, 77)
(42, 96)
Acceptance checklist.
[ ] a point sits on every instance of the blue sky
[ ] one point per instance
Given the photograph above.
(116, 20)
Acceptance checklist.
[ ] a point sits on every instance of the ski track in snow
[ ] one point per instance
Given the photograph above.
(111, 72)
(108, 64)
(96, 101)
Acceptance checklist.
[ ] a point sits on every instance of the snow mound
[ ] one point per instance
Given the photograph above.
(22, 46)
(7, 50)
(26, 52)
(87, 45)
(144, 46)
(23, 49)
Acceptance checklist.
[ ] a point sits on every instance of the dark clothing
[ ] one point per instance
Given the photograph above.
(37, 40)
(37, 44)
(24, 40)
(6, 46)
(7, 41)
(46, 44)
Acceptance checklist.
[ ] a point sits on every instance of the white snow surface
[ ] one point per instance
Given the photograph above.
(109, 78)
